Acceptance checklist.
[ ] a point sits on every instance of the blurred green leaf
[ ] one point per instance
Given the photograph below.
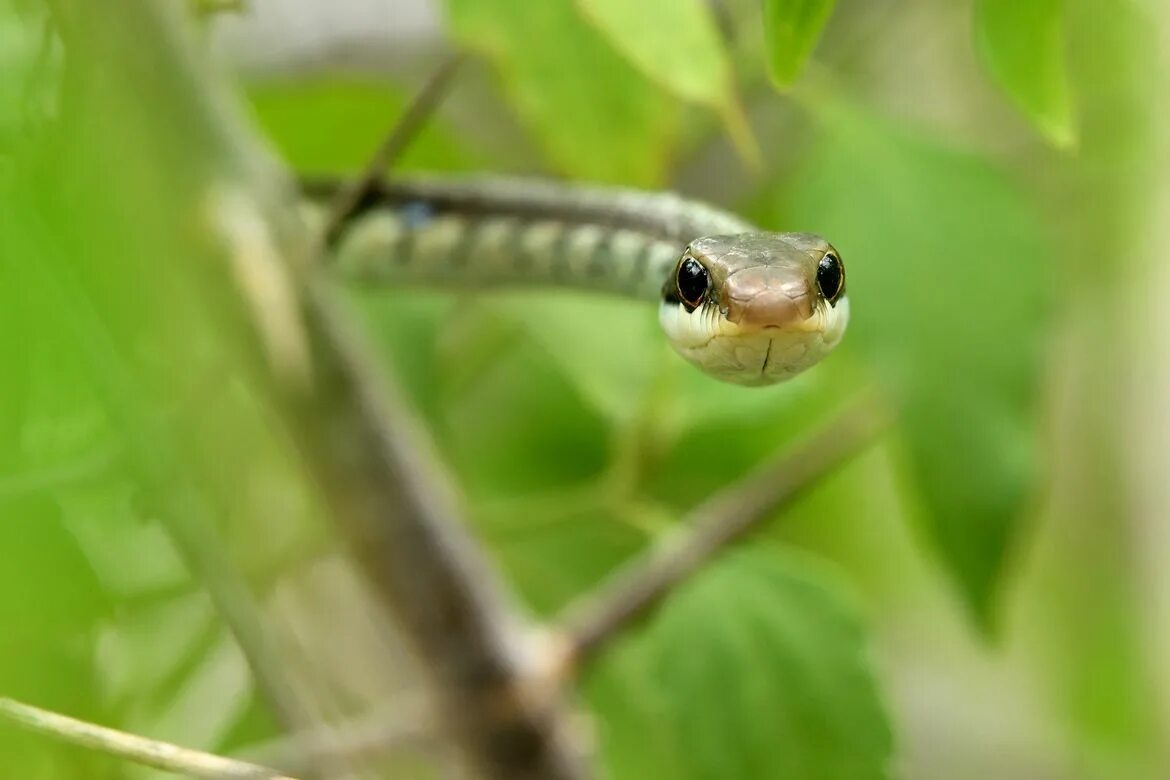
(561, 549)
(593, 113)
(575, 330)
(1021, 43)
(335, 124)
(677, 45)
(756, 668)
(523, 427)
(947, 275)
(722, 431)
(207, 704)
(673, 43)
(791, 31)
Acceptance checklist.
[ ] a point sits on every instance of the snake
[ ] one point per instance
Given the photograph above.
(745, 306)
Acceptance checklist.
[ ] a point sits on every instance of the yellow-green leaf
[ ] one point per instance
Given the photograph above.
(791, 31)
(948, 280)
(756, 668)
(675, 43)
(594, 114)
(1021, 43)
(329, 124)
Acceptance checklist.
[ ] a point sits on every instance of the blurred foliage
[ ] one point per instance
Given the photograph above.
(971, 442)
(792, 29)
(781, 645)
(305, 120)
(561, 74)
(1022, 44)
(574, 448)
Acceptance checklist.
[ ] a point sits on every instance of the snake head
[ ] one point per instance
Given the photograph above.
(755, 308)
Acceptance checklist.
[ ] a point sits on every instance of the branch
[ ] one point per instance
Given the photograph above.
(592, 620)
(148, 752)
(423, 105)
(371, 460)
(401, 516)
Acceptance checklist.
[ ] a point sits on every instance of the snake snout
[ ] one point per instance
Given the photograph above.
(762, 298)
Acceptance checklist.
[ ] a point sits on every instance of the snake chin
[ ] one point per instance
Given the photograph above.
(752, 357)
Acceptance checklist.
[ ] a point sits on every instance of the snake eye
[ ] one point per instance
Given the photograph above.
(692, 281)
(830, 277)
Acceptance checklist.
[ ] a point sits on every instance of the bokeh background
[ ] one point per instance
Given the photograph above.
(986, 593)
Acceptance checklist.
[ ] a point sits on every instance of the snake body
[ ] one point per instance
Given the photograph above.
(740, 303)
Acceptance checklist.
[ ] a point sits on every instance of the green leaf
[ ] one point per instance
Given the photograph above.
(756, 668)
(791, 31)
(1021, 43)
(331, 124)
(673, 43)
(946, 280)
(523, 427)
(554, 550)
(676, 45)
(592, 112)
(612, 374)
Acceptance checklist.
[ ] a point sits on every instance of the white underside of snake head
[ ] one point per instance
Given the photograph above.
(752, 356)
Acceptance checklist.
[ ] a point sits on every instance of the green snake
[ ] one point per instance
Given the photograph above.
(743, 305)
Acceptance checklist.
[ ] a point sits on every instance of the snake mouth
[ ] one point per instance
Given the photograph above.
(753, 355)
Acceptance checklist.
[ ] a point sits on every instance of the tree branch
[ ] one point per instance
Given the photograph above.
(592, 620)
(401, 134)
(302, 353)
(400, 514)
(148, 752)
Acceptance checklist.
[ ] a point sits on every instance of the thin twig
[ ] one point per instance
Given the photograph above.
(401, 134)
(148, 752)
(406, 724)
(639, 586)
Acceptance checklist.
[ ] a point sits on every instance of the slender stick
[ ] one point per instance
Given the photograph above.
(140, 750)
(634, 590)
(401, 134)
(372, 461)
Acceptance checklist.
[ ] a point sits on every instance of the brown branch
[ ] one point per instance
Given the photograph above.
(372, 462)
(421, 108)
(140, 750)
(588, 623)
(401, 516)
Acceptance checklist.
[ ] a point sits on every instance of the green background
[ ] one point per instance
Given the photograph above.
(981, 594)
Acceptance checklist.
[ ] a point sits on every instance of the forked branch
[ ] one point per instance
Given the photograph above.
(634, 590)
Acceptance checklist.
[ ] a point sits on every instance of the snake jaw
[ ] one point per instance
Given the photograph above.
(767, 312)
(745, 354)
